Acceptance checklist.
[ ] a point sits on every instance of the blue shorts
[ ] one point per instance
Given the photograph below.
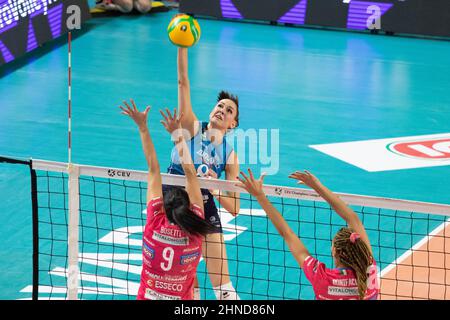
(211, 212)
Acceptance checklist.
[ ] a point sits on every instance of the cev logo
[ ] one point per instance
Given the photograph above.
(436, 149)
(119, 173)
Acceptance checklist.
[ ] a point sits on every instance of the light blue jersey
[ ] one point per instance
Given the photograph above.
(203, 151)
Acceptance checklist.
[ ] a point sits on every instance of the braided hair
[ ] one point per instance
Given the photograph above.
(354, 253)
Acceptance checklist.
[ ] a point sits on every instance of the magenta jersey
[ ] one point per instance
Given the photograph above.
(338, 283)
(170, 257)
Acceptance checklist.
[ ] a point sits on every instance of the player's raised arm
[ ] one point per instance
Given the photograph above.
(154, 188)
(173, 126)
(184, 93)
(338, 205)
(255, 188)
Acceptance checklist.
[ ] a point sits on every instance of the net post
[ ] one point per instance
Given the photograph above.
(35, 217)
(73, 232)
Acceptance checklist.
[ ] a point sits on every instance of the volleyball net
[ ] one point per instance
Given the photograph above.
(88, 242)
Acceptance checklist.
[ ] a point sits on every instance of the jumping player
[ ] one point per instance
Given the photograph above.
(173, 234)
(209, 146)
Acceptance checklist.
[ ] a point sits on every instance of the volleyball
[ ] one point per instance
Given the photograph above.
(202, 170)
(184, 31)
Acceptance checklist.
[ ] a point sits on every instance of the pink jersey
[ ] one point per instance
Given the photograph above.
(170, 257)
(338, 283)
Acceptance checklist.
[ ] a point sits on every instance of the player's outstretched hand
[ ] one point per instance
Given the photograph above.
(140, 118)
(306, 178)
(252, 185)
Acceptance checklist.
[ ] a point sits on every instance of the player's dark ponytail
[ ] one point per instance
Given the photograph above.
(178, 211)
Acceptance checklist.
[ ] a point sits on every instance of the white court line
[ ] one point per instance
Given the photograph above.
(82, 290)
(408, 253)
(109, 281)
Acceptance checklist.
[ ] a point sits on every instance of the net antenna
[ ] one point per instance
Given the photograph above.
(74, 198)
